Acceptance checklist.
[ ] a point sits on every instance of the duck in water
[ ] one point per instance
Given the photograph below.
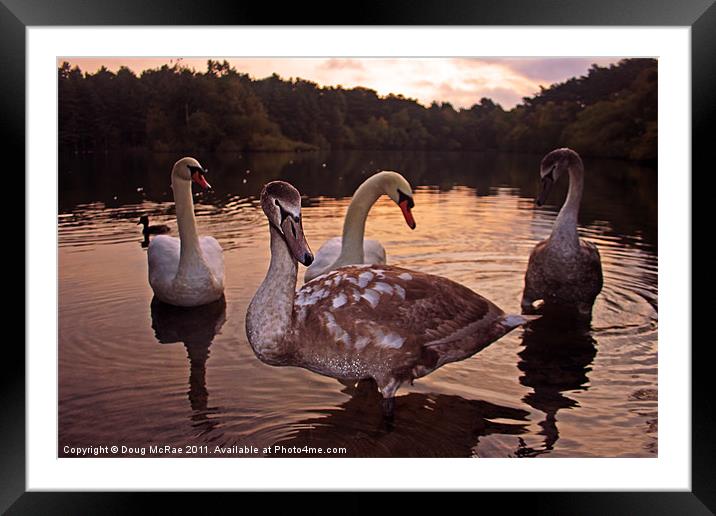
(157, 229)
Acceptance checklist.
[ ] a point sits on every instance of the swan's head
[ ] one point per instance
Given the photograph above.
(399, 190)
(552, 167)
(189, 169)
(281, 203)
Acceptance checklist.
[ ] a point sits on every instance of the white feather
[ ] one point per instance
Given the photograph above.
(214, 256)
(325, 258)
(202, 284)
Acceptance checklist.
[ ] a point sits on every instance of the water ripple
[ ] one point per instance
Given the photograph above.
(132, 372)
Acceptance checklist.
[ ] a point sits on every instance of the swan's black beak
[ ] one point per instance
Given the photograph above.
(547, 182)
(292, 229)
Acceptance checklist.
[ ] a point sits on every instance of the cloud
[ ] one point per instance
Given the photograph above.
(546, 70)
(342, 64)
(467, 97)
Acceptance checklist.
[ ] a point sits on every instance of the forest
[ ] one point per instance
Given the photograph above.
(609, 112)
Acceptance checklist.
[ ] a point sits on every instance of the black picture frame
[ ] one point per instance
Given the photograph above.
(700, 15)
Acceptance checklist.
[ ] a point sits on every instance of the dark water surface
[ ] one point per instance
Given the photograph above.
(138, 374)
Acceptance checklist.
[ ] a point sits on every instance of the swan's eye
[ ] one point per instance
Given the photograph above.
(405, 197)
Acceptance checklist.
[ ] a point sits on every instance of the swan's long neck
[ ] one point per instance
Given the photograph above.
(565, 232)
(354, 224)
(190, 255)
(270, 314)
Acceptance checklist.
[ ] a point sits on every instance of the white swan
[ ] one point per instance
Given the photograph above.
(189, 270)
(352, 248)
(564, 271)
(361, 321)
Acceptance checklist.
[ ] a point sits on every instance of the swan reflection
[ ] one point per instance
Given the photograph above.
(425, 425)
(556, 358)
(196, 328)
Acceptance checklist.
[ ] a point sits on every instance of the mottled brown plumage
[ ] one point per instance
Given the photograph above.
(389, 324)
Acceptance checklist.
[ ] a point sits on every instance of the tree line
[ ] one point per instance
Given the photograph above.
(609, 112)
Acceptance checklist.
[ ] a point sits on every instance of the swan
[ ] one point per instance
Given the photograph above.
(361, 321)
(351, 248)
(156, 229)
(189, 270)
(564, 271)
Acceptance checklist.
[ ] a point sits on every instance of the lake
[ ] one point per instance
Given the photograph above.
(137, 373)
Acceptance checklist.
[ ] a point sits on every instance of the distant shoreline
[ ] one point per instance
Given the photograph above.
(66, 153)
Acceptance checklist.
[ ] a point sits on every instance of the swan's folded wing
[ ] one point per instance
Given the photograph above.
(163, 258)
(440, 311)
(591, 266)
(214, 256)
(324, 258)
(386, 308)
(373, 252)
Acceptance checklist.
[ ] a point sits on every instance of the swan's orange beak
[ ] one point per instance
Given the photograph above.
(199, 179)
(405, 208)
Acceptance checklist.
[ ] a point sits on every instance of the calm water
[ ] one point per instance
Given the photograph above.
(140, 374)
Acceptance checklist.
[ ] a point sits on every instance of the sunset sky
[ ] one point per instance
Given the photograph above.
(460, 81)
